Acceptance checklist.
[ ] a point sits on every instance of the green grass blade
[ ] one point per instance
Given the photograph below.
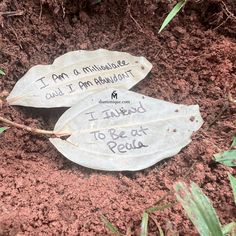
(110, 226)
(160, 207)
(199, 209)
(161, 233)
(144, 225)
(233, 185)
(229, 228)
(233, 145)
(227, 158)
(2, 72)
(2, 129)
(172, 14)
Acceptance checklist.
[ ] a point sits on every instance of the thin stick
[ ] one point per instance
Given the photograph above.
(227, 11)
(41, 10)
(222, 23)
(12, 13)
(131, 16)
(224, 108)
(32, 130)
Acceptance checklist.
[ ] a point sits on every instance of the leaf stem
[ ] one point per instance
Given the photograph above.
(28, 128)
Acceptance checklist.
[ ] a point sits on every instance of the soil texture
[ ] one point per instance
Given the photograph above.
(43, 193)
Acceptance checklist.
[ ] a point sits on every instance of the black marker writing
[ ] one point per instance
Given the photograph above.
(54, 94)
(91, 116)
(76, 72)
(42, 82)
(98, 135)
(70, 88)
(113, 78)
(113, 113)
(85, 85)
(139, 132)
(59, 77)
(123, 148)
(116, 135)
(107, 66)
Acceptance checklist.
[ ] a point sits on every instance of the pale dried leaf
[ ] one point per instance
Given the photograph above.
(124, 132)
(75, 75)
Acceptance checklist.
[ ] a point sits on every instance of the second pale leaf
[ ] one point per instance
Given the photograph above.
(76, 75)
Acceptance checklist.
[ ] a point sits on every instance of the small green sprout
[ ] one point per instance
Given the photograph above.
(110, 226)
(233, 185)
(2, 72)
(172, 14)
(115, 231)
(144, 225)
(2, 129)
(228, 157)
(233, 145)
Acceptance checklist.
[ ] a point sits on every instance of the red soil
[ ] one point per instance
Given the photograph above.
(41, 192)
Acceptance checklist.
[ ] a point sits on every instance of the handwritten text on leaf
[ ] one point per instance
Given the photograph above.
(76, 75)
(123, 130)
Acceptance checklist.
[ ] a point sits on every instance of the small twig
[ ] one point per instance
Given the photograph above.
(41, 10)
(14, 32)
(32, 130)
(190, 170)
(222, 23)
(155, 222)
(228, 12)
(12, 13)
(136, 22)
(131, 16)
(168, 193)
(224, 108)
(63, 10)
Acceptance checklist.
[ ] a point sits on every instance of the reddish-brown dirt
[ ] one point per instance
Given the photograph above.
(41, 192)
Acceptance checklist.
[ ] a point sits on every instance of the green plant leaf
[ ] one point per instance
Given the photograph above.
(2, 72)
(233, 185)
(229, 228)
(227, 158)
(144, 225)
(161, 233)
(233, 145)
(2, 129)
(110, 226)
(159, 207)
(198, 208)
(172, 14)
